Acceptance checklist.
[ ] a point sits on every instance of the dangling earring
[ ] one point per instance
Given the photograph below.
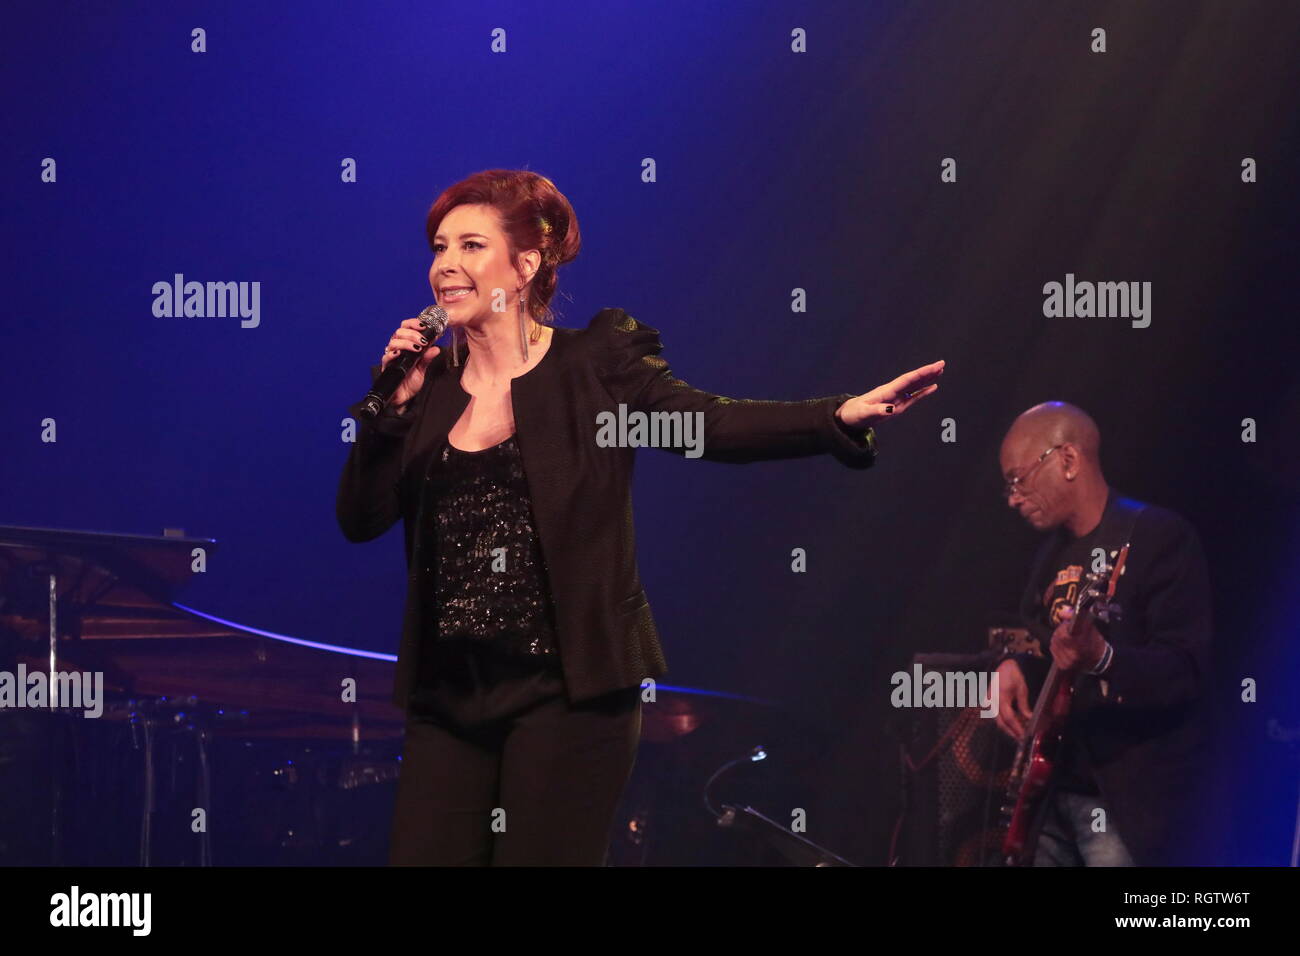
(523, 330)
(455, 346)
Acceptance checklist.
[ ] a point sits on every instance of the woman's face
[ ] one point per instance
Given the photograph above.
(470, 252)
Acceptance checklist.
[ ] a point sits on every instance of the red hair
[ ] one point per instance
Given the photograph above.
(534, 214)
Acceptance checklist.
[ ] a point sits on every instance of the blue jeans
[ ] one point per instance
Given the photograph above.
(1067, 837)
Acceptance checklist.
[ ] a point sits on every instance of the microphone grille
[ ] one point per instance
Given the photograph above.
(434, 319)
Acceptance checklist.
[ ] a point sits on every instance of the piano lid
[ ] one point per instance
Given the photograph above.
(117, 615)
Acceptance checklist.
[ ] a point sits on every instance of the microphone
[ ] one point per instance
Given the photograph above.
(433, 322)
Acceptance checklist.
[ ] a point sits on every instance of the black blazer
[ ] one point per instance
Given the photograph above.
(581, 492)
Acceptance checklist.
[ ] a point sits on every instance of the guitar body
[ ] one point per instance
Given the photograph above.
(1044, 749)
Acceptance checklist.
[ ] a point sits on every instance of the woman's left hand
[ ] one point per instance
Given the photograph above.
(891, 399)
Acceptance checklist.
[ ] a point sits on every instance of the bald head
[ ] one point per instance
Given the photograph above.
(1057, 423)
(1052, 456)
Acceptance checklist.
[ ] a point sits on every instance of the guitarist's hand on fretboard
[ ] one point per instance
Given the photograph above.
(1013, 700)
(1076, 652)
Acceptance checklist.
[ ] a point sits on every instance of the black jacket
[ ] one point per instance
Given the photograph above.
(1142, 724)
(581, 492)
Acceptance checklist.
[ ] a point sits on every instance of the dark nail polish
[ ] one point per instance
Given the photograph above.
(889, 409)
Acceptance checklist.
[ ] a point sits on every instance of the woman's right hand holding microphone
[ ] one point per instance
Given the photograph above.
(409, 337)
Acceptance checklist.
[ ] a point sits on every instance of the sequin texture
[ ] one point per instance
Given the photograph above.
(481, 504)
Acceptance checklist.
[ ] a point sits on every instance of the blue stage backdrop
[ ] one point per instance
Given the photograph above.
(803, 198)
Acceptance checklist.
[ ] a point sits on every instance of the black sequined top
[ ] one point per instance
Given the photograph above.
(492, 583)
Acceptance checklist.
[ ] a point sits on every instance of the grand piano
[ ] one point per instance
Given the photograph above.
(116, 612)
(223, 744)
(194, 706)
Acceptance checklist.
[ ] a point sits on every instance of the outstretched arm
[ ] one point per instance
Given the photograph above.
(626, 356)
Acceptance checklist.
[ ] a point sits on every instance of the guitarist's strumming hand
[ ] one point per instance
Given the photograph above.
(1013, 700)
(1082, 651)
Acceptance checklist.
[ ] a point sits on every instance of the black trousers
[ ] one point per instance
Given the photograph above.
(498, 769)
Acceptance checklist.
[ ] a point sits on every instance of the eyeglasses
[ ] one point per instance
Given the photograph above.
(1011, 487)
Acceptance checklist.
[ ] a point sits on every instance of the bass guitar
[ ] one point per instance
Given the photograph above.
(1037, 753)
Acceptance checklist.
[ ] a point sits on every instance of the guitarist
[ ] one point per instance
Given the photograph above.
(1119, 791)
